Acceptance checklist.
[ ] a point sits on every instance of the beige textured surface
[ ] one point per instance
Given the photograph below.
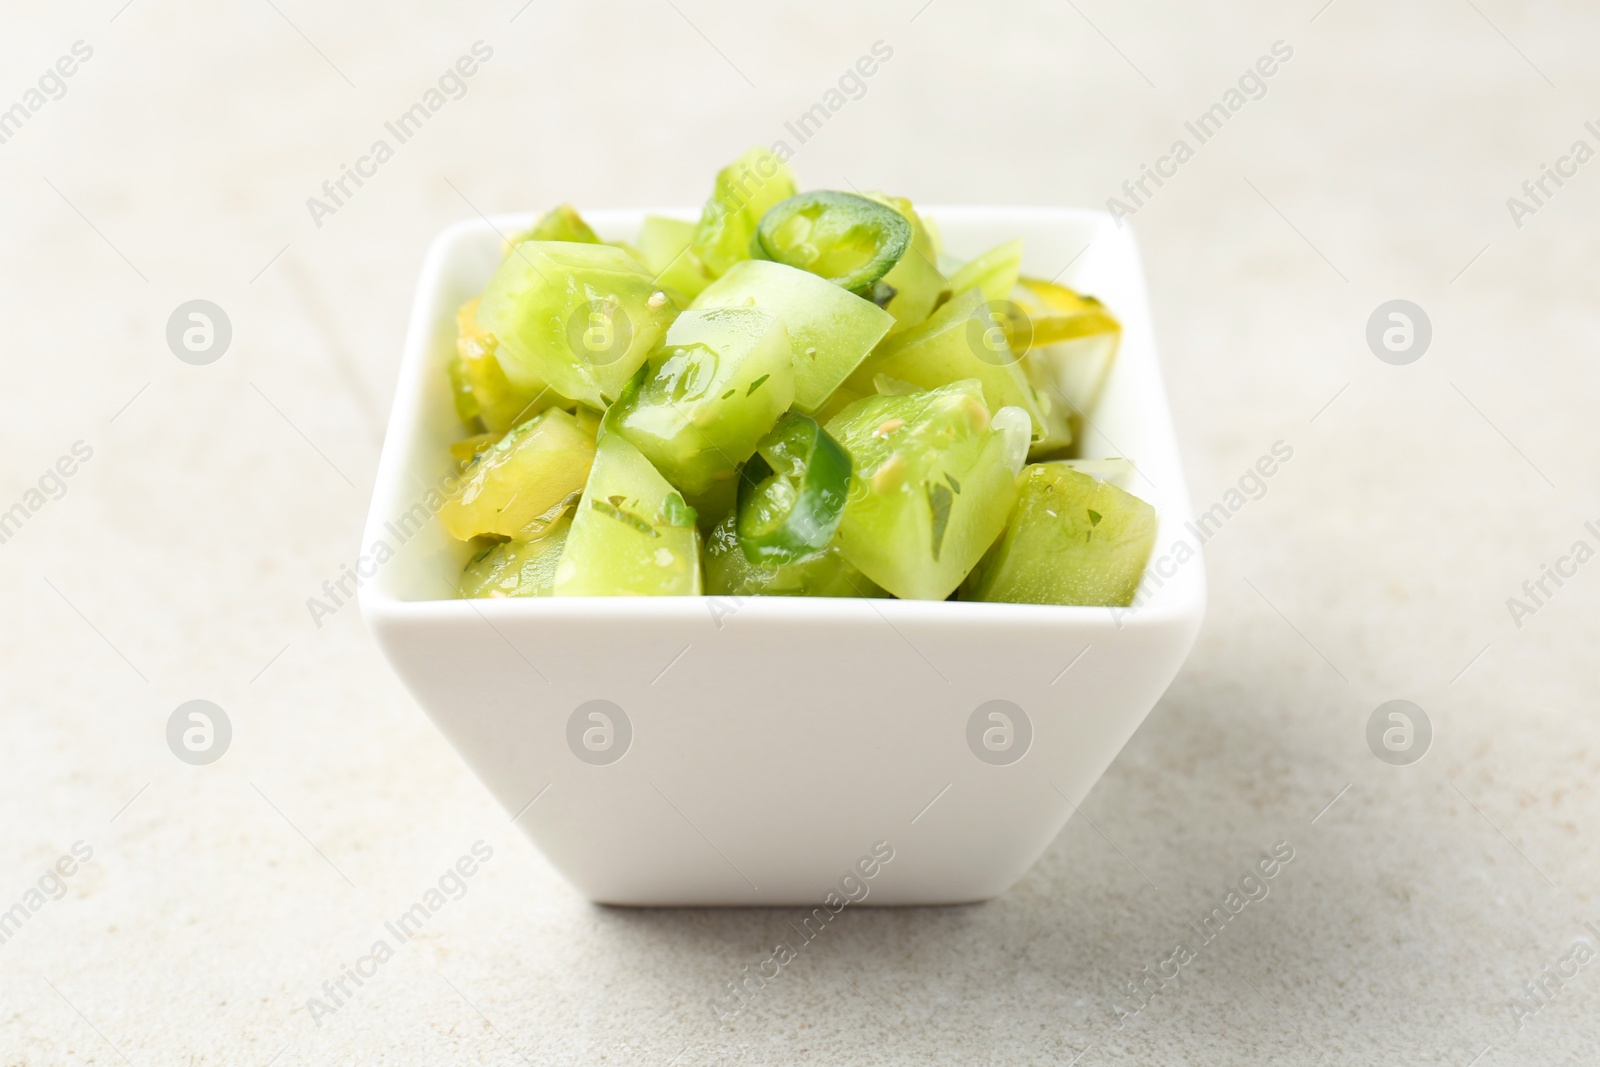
(1377, 566)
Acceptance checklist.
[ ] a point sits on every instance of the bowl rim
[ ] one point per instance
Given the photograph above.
(1181, 603)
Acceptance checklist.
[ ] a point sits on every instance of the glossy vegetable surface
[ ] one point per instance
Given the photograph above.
(705, 399)
(830, 330)
(1071, 540)
(847, 239)
(827, 573)
(632, 535)
(581, 318)
(793, 493)
(798, 394)
(743, 192)
(932, 491)
(517, 568)
(523, 482)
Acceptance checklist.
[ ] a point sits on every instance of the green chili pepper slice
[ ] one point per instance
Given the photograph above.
(847, 239)
(793, 492)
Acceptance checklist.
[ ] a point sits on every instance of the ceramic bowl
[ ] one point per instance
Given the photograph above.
(710, 751)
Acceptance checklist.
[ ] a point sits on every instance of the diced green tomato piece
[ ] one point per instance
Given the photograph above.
(517, 568)
(916, 280)
(715, 504)
(830, 330)
(559, 224)
(917, 286)
(1115, 470)
(961, 340)
(745, 190)
(628, 248)
(468, 450)
(837, 401)
(793, 492)
(847, 239)
(932, 487)
(1057, 313)
(632, 535)
(927, 233)
(1071, 540)
(1061, 423)
(994, 272)
(827, 573)
(664, 249)
(705, 399)
(588, 420)
(520, 486)
(1069, 342)
(581, 317)
(887, 386)
(1074, 373)
(483, 395)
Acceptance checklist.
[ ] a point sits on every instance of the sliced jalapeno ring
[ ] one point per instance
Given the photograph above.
(847, 239)
(793, 492)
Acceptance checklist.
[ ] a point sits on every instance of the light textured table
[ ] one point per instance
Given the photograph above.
(1377, 566)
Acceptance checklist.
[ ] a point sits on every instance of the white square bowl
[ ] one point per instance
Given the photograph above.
(751, 752)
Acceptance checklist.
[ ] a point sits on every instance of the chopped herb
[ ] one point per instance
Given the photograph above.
(939, 499)
(729, 393)
(627, 518)
(756, 384)
(1094, 517)
(952, 480)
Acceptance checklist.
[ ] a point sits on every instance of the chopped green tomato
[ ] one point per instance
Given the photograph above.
(517, 568)
(1056, 313)
(468, 450)
(559, 224)
(588, 420)
(995, 272)
(927, 233)
(632, 535)
(745, 190)
(1071, 540)
(705, 399)
(915, 284)
(840, 399)
(483, 395)
(524, 482)
(611, 432)
(664, 249)
(847, 239)
(1060, 428)
(887, 386)
(932, 488)
(1069, 343)
(581, 317)
(961, 340)
(715, 504)
(830, 330)
(793, 492)
(1114, 469)
(827, 573)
